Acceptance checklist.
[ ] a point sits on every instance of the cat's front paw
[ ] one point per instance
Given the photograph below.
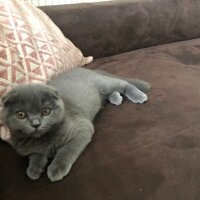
(57, 173)
(33, 174)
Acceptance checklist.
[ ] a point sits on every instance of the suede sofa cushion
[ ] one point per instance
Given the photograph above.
(32, 48)
(113, 27)
(138, 152)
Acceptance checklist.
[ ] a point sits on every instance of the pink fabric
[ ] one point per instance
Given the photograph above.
(32, 48)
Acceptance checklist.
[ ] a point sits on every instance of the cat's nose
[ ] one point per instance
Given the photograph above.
(36, 123)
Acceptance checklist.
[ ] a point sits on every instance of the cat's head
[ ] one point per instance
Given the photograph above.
(32, 110)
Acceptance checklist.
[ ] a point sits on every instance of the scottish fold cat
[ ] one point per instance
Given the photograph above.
(53, 122)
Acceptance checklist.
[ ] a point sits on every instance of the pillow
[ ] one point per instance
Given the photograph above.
(32, 48)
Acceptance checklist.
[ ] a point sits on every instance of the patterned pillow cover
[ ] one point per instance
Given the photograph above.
(32, 48)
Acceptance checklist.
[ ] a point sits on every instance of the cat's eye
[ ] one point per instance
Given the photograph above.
(46, 111)
(21, 115)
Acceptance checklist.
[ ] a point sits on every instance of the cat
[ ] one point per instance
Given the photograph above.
(53, 121)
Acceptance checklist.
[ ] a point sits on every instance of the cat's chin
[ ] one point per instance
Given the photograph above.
(38, 135)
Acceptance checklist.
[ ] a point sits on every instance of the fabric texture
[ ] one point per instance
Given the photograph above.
(32, 48)
(138, 152)
(113, 27)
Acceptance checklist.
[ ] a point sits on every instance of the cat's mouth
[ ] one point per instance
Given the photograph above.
(35, 132)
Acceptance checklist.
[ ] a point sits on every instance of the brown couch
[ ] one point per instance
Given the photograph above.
(139, 152)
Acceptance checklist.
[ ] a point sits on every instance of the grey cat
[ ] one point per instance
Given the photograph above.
(54, 121)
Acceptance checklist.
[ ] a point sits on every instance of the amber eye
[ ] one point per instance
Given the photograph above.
(21, 115)
(46, 111)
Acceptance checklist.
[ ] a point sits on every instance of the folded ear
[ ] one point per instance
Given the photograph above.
(8, 97)
(53, 92)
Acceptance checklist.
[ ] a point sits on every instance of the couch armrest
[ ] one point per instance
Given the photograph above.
(108, 28)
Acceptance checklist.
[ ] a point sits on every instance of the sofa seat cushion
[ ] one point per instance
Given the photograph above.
(139, 152)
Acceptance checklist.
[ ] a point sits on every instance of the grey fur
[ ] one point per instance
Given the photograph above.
(75, 97)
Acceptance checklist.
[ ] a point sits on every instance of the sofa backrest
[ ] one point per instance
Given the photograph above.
(108, 28)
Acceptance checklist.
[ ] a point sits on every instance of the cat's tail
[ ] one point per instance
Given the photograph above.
(140, 84)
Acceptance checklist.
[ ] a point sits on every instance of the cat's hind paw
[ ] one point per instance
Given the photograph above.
(115, 98)
(135, 95)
